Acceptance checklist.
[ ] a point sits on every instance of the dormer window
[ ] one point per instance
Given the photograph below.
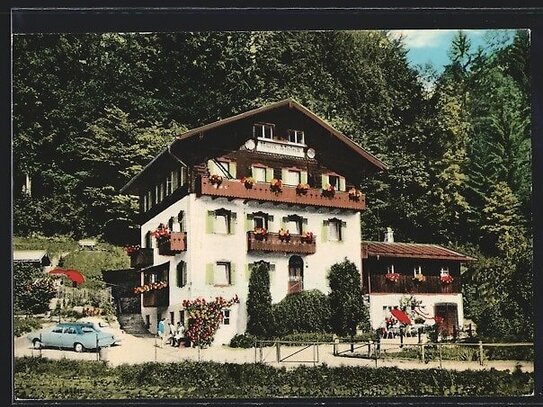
(296, 136)
(263, 130)
(334, 181)
(444, 271)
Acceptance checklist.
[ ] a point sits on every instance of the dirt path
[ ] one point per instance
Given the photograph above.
(139, 350)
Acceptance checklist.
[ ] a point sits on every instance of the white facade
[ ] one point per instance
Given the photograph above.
(205, 248)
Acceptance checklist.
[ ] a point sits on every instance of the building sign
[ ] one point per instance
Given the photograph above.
(280, 147)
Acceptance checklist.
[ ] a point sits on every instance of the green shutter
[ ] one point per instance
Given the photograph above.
(342, 230)
(233, 222)
(248, 269)
(210, 221)
(185, 277)
(304, 177)
(210, 166)
(249, 222)
(284, 173)
(342, 183)
(232, 274)
(325, 180)
(269, 174)
(233, 169)
(210, 270)
(324, 230)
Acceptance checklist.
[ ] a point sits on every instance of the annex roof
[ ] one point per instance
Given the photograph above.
(411, 250)
(291, 104)
(30, 256)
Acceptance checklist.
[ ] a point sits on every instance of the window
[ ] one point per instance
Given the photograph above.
(259, 174)
(294, 224)
(169, 184)
(444, 271)
(148, 240)
(181, 274)
(145, 203)
(149, 199)
(262, 130)
(260, 222)
(417, 270)
(334, 231)
(153, 278)
(221, 221)
(172, 317)
(226, 317)
(390, 269)
(182, 317)
(221, 168)
(181, 221)
(296, 136)
(57, 330)
(293, 177)
(157, 194)
(334, 181)
(222, 274)
(70, 330)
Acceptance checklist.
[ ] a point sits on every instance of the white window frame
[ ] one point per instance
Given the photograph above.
(215, 170)
(264, 131)
(335, 233)
(290, 173)
(258, 169)
(169, 184)
(219, 222)
(262, 219)
(222, 273)
(294, 227)
(296, 137)
(226, 316)
(335, 185)
(444, 272)
(390, 268)
(417, 270)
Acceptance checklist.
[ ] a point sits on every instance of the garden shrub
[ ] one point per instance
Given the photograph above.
(259, 302)
(243, 341)
(22, 326)
(306, 311)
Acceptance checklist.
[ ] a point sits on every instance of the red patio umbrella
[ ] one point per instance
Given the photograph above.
(401, 316)
(72, 274)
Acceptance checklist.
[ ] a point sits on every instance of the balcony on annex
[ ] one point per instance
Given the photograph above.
(275, 242)
(217, 186)
(155, 291)
(176, 242)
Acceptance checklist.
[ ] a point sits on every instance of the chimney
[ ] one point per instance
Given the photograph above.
(389, 235)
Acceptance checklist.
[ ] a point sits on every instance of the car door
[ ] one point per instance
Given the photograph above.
(69, 337)
(52, 337)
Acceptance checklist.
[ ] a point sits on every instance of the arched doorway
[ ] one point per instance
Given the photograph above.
(295, 274)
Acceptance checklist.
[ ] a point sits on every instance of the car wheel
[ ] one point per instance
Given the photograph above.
(36, 343)
(78, 347)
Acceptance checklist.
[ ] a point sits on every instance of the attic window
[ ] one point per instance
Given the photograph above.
(263, 130)
(296, 136)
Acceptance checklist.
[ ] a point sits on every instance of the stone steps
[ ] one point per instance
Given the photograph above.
(133, 324)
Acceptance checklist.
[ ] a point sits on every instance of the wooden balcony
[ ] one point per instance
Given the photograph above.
(272, 243)
(177, 243)
(406, 285)
(295, 286)
(141, 258)
(157, 298)
(261, 192)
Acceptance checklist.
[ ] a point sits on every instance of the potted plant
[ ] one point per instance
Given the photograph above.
(150, 287)
(248, 182)
(302, 189)
(161, 234)
(354, 194)
(284, 235)
(275, 185)
(419, 278)
(260, 233)
(329, 191)
(215, 179)
(446, 279)
(392, 277)
(308, 237)
(131, 249)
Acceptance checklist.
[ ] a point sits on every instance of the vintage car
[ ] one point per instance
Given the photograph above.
(100, 324)
(73, 335)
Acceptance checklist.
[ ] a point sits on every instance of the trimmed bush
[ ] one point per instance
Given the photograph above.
(306, 311)
(243, 341)
(22, 326)
(259, 302)
(70, 379)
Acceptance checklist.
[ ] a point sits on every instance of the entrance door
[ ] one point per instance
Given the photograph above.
(449, 313)
(295, 274)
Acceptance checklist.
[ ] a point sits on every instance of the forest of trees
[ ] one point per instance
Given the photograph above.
(91, 110)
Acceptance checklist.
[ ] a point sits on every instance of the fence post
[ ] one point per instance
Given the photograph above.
(423, 346)
(401, 337)
(317, 353)
(314, 354)
(255, 349)
(278, 351)
(155, 346)
(336, 345)
(439, 346)
(370, 342)
(97, 349)
(260, 349)
(376, 355)
(41, 345)
(481, 353)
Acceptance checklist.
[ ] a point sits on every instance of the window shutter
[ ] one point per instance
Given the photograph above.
(233, 221)
(284, 174)
(248, 269)
(304, 225)
(324, 230)
(304, 177)
(269, 174)
(210, 166)
(342, 183)
(233, 169)
(249, 222)
(181, 220)
(185, 275)
(210, 270)
(270, 222)
(325, 180)
(232, 274)
(210, 221)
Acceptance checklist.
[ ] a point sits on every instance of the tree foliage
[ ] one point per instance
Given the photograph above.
(32, 289)
(260, 321)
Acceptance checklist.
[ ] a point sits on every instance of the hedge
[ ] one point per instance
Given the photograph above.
(306, 311)
(39, 378)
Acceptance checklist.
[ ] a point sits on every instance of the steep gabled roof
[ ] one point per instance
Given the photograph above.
(412, 250)
(291, 104)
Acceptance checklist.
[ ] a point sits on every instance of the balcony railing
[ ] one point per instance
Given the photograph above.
(406, 285)
(233, 188)
(295, 286)
(157, 298)
(272, 243)
(177, 243)
(141, 258)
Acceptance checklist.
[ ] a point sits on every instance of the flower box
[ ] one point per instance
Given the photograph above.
(132, 249)
(329, 191)
(302, 189)
(354, 194)
(260, 233)
(392, 277)
(215, 180)
(446, 279)
(248, 182)
(150, 287)
(284, 235)
(276, 185)
(176, 243)
(307, 237)
(419, 278)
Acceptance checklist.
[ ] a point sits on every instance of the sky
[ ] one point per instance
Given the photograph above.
(431, 46)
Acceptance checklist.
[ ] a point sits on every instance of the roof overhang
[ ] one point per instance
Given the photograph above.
(412, 251)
